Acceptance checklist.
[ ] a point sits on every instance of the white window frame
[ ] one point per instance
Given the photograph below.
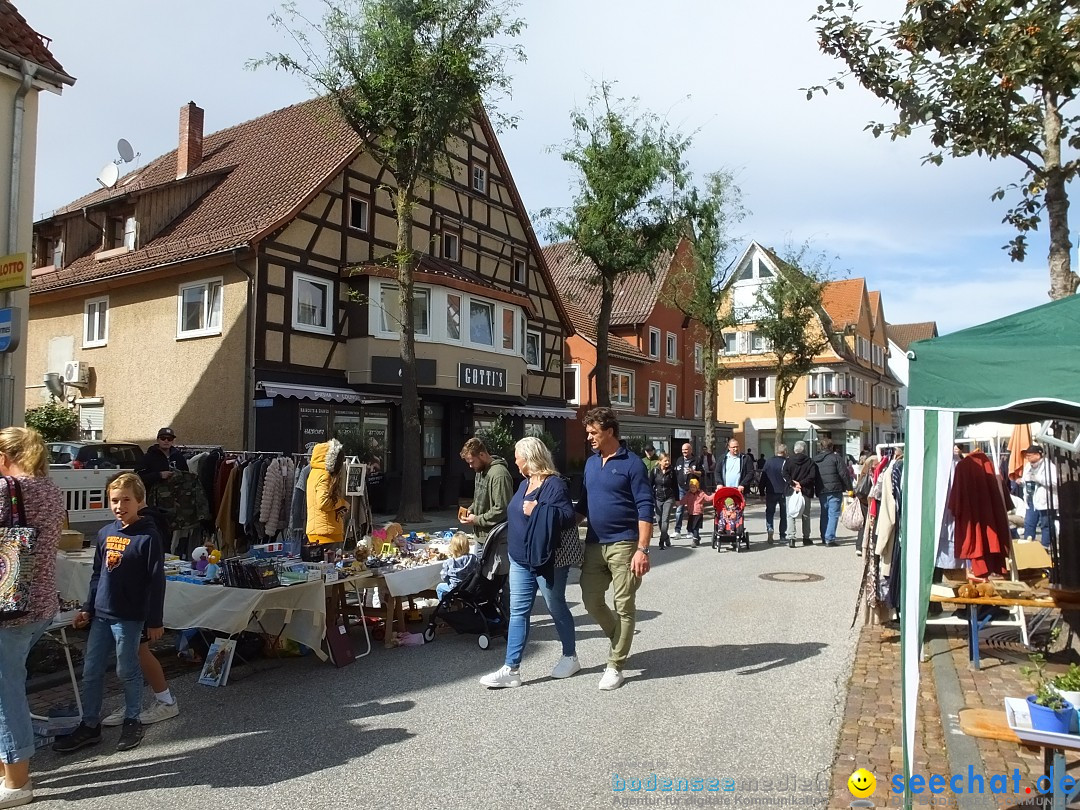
(131, 232)
(671, 352)
(520, 271)
(478, 173)
(654, 397)
(671, 393)
(699, 404)
(98, 317)
(699, 358)
(379, 314)
(530, 335)
(756, 392)
(491, 308)
(731, 343)
(509, 335)
(451, 239)
(208, 329)
(654, 343)
(759, 344)
(366, 227)
(446, 309)
(330, 312)
(629, 375)
(573, 397)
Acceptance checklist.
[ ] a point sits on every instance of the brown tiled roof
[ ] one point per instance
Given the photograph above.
(635, 294)
(267, 168)
(18, 38)
(585, 326)
(904, 334)
(843, 300)
(874, 297)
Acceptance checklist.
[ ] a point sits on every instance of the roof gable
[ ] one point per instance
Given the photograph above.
(904, 334)
(845, 301)
(20, 40)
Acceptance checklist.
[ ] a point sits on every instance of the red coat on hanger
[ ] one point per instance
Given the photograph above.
(982, 524)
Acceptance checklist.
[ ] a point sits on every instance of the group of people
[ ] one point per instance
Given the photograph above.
(617, 501)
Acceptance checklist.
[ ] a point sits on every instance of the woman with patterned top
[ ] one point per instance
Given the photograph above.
(23, 457)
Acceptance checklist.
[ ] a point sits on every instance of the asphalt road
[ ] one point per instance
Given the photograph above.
(732, 677)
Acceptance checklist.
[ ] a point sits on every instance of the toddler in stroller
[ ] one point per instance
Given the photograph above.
(729, 526)
(480, 598)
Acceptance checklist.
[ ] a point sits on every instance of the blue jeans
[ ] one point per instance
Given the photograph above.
(523, 586)
(442, 589)
(16, 730)
(830, 514)
(1034, 519)
(105, 636)
(680, 511)
(772, 500)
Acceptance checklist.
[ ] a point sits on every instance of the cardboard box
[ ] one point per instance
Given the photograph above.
(1031, 555)
(70, 540)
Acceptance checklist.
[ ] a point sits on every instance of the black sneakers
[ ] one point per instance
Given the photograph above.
(130, 735)
(81, 737)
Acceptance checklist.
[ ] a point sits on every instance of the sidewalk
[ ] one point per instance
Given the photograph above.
(871, 734)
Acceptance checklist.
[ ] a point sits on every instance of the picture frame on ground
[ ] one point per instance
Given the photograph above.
(215, 671)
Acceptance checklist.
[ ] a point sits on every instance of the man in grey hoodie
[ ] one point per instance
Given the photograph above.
(494, 488)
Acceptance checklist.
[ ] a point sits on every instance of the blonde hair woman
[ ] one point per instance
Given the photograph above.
(537, 514)
(24, 459)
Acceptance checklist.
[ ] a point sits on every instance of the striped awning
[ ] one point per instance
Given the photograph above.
(535, 411)
(316, 392)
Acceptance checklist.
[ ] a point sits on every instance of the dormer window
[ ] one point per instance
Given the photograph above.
(50, 252)
(120, 232)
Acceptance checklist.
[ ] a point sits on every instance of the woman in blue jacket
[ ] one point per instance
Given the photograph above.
(537, 514)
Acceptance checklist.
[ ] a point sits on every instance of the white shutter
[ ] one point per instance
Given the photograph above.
(740, 389)
(741, 345)
(770, 387)
(92, 421)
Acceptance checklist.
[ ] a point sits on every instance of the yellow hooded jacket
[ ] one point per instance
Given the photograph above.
(326, 509)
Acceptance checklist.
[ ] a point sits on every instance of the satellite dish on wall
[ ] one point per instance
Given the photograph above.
(127, 154)
(108, 175)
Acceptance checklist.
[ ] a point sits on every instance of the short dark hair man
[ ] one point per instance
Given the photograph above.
(493, 490)
(619, 508)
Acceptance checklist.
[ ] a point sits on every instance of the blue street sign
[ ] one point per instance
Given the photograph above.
(9, 331)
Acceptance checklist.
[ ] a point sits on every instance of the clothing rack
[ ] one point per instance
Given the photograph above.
(880, 447)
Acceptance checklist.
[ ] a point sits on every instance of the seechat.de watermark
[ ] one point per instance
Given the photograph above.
(941, 790)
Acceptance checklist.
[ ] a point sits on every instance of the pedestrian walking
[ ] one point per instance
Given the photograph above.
(774, 486)
(801, 473)
(665, 488)
(686, 467)
(617, 501)
(831, 482)
(735, 470)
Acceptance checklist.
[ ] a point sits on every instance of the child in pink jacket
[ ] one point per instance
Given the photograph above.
(695, 499)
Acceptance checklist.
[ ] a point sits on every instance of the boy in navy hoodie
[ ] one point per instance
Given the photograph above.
(127, 591)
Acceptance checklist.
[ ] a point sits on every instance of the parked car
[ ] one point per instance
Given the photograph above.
(95, 455)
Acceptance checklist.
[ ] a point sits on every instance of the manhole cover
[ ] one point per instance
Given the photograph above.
(791, 576)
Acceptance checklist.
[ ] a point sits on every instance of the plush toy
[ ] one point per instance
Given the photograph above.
(214, 557)
(201, 557)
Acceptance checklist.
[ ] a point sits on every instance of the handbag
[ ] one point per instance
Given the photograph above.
(796, 502)
(16, 558)
(852, 517)
(863, 488)
(571, 550)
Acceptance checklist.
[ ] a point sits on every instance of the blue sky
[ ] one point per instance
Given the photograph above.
(731, 71)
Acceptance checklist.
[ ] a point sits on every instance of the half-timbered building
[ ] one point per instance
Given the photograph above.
(241, 289)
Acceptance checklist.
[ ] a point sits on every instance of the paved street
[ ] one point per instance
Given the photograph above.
(731, 676)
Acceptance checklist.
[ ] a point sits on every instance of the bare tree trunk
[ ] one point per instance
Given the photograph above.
(603, 373)
(712, 377)
(1063, 281)
(410, 506)
(780, 407)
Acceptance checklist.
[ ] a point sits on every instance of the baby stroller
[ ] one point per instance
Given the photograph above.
(480, 598)
(728, 526)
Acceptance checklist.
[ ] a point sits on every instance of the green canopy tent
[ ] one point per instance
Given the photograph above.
(1021, 368)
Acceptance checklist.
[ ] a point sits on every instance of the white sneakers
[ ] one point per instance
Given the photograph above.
(155, 714)
(16, 797)
(502, 678)
(611, 679)
(566, 667)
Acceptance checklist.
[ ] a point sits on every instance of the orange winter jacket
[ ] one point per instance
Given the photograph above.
(326, 509)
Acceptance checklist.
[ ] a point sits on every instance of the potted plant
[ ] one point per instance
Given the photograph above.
(1049, 710)
(1068, 686)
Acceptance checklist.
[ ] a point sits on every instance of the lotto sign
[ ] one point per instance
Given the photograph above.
(9, 329)
(14, 271)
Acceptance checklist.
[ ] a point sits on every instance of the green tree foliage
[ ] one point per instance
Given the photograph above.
(787, 313)
(624, 216)
(55, 421)
(986, 77)
(409, 76)
(698, 291)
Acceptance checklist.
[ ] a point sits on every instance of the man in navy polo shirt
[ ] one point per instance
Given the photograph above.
(617, 500)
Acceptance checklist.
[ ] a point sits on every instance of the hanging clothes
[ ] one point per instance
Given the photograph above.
(946, 548)
(982, 524)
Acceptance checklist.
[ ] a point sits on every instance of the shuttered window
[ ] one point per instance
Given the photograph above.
(92, 422)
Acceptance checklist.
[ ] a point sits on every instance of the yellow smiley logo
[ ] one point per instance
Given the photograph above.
(861, 783)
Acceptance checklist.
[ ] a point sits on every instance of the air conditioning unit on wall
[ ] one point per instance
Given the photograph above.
(77, 373)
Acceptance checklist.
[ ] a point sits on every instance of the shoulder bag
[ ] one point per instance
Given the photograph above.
(16, 558)
(571, 550)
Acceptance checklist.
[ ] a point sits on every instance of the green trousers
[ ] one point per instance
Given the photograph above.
(609, 564)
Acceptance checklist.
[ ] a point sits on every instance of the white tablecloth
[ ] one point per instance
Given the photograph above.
(409, 581)
(297, 611)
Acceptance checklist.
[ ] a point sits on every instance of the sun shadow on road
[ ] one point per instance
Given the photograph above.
(748, 659)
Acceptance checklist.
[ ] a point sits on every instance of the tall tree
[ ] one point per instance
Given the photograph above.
(699, 291)
(624, 216)
(409, 76)
(987, 77)
(787, 312)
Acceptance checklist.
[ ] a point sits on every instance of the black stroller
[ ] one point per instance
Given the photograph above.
(480, 597)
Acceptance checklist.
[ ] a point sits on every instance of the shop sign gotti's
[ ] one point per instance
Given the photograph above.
(484, 378)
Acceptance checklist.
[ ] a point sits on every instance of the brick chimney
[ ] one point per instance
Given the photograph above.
(189, 154)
